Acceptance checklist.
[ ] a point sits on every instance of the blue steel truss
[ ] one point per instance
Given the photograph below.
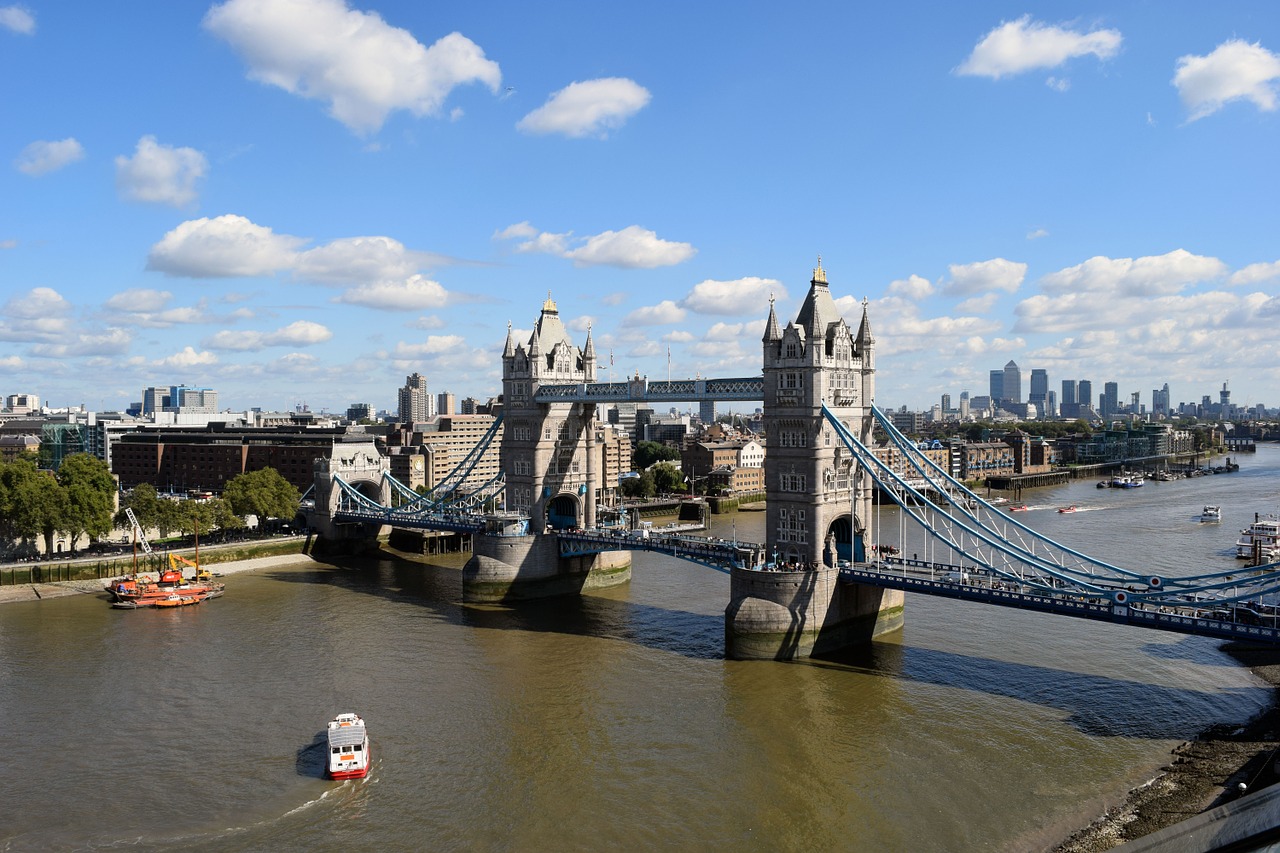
(642, 390)
(720, 554)
(992, 551)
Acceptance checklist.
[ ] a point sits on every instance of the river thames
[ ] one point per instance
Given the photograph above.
(610, 721)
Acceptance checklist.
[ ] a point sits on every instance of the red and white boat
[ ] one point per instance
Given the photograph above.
(1071, 508)
(348, 748)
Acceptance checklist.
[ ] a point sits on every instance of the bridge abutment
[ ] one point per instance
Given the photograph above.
(519, 568)
(780, 615)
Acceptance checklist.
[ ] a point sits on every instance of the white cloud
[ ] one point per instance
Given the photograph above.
(722, 332)
(109, 342)
(615, 298)
(361, 66)
(188, 357)
(580, 324)
(42, 157)
(632, 247)
(1037, 233)
(12, 362)
(300, 333)
(1058, 84)
(1236, 70)
(37, 303)
(913, 287)
(139, 300)
(160, 174)
(413, 294)
(977, 304)
(664, 312)
(679, 337)
(739, 296)
(18, 20)
(358, 260)
(588, 108)
(1255, 273)
(433, 346)
(1026, 45)
(1147, 276)
(223, 247)
(982, 276)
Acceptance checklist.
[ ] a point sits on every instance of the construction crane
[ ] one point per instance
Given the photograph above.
(139, 536)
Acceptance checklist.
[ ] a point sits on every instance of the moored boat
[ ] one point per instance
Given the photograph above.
(348, 748)
(1260, 540)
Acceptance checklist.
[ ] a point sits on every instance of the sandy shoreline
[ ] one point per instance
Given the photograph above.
(1201, 774)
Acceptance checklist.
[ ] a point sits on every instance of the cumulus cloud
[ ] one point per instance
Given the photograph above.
(356, 260)
(39, 302)
(664, 312)
(633, 247)
(1147, 276)
(150, 309)
(1026, 45)
(1255, 273)
(108, 342)
(188, 357)
(433, 346)
(354, 61)
(913, 287)
(42, 157)
(983, 276)
(300, 333)
(17, 19)
(1235, 70)
(160, 174)
(223, 247)
(739, 296)
(414, 294)
(587, 108)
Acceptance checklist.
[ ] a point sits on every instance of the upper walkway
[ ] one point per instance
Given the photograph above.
(641, 390)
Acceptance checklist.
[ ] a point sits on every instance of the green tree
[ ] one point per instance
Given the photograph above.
(639, 487)
(223, 517)
(31, 502)
(667, 478)
(146, 506)
(263, 493)
(646, 453)
(88, 492)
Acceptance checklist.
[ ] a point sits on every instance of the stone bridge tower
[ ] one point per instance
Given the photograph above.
(818, 497)
(548, 452)
(819, 501)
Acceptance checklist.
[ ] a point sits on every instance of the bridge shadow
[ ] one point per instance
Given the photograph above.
(1096, 705)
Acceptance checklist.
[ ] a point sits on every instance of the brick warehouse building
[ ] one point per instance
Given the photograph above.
(205, 458)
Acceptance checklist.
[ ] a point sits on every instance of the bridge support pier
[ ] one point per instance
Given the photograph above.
(516, 568)
(787, 615)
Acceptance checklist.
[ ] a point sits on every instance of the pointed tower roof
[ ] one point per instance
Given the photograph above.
(509, 349)
(819, 309)
(549, 331)
(589, 349)
(864, 338)
(772, 331)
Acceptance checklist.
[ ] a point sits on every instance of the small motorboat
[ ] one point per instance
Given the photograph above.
(1211, 514)
(348, 748)
(1018, 508)
(1071, 508)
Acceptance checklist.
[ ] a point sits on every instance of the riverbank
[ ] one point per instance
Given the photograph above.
(40, 591)
(1201, 774)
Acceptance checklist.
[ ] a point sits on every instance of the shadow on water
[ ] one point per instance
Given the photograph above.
(310, 760)
(1096, 705)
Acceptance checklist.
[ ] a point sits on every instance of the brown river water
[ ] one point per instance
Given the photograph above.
(610, 721)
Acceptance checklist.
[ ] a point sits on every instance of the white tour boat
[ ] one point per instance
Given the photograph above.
(1260, 539)
(348, 748)
(1211, 514)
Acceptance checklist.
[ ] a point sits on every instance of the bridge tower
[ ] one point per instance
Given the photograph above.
(552, 466)
(818, 498)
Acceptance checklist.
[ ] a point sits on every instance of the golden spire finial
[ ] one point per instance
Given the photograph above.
(550, 304)
(819, 274)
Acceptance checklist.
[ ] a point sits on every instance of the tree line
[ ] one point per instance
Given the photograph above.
(79, 500)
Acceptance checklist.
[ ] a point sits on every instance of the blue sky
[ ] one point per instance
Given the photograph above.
(306, 200)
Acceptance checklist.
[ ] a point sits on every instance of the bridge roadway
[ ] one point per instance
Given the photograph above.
(1244, 621)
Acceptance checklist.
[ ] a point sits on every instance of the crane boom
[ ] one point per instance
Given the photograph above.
(137, 529)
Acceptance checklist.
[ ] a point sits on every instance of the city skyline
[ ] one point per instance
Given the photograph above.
(284, 219)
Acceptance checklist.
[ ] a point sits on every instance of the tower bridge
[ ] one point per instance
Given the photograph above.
(542, 529)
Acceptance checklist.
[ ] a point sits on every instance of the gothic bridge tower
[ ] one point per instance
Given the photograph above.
(818, 498)
(547, 451)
